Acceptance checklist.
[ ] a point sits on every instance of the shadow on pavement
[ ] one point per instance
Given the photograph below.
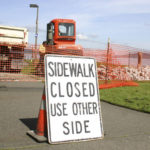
(29, 122)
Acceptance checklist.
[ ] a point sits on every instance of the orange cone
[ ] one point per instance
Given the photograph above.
(40, 134)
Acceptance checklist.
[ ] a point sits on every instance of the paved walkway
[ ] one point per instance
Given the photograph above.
(19, 106)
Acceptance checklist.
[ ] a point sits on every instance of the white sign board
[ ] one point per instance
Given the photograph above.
(72, 96)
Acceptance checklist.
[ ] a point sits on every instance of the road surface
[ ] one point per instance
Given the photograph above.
(125, 129)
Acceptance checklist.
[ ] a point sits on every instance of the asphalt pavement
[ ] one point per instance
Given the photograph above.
(124, 129)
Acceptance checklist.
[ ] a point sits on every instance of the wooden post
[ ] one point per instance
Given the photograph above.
(107, 61)
(129, 60)
(139, 60)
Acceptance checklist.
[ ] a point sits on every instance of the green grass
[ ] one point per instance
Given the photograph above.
(29, 69)
(137, 98)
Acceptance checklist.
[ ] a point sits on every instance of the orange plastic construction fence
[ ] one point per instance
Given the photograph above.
(118, 65)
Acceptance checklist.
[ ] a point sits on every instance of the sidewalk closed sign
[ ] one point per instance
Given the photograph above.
(72, 99)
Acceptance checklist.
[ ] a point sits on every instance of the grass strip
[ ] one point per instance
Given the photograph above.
(137, 98)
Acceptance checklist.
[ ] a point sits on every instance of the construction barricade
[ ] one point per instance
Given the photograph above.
(116, 63)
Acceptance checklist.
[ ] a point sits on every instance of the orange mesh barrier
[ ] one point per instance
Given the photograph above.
(118, 65)
(27, 63)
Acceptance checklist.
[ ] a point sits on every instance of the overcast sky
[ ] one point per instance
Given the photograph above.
(124, 21)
